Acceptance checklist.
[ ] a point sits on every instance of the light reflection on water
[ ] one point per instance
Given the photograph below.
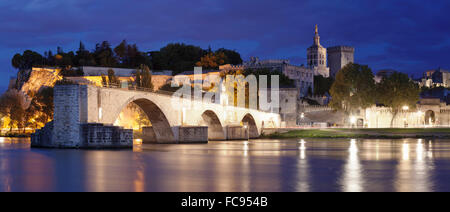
(257, 165)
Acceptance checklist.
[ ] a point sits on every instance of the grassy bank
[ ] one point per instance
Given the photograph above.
(392, 133)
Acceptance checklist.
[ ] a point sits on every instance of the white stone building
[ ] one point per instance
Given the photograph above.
(302, 76)
(436, 78)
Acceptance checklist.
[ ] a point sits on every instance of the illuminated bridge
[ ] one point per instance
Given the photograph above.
(80, 110)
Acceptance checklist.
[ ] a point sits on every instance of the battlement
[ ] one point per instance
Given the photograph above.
(341, 49)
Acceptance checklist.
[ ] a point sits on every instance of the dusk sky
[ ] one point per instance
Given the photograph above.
(410, 36)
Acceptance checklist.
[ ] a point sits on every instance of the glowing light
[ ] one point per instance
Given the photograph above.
(302, 115)
(353, 120)
(100, 113)
(183, 116)
(405, 107)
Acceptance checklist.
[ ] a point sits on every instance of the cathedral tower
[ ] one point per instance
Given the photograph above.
(317, 57)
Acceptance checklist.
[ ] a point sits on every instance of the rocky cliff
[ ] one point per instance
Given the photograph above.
(30, 81)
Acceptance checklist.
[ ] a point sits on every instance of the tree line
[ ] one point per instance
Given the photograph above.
(354, 88)
(177, 57)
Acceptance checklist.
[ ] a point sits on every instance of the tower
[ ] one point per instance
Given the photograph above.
(338, 57)
(317, 56)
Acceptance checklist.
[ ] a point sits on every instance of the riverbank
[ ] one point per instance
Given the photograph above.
(388, 133)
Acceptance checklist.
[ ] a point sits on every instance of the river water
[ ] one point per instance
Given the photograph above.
(257, 165)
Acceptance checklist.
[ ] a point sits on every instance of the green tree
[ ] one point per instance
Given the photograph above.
(322, 85)
(353, 89)
(397, 91)
(104, 81)
(104, 55)
(138, 78)
(146, 81)
(112, 78)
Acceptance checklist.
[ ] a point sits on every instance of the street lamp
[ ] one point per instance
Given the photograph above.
(405, 107)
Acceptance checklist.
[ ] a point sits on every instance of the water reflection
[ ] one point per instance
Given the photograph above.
(352, 170)
(414, 170)
(302, 169)
(256, 165)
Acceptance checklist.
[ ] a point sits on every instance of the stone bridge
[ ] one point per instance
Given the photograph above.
(200, 121)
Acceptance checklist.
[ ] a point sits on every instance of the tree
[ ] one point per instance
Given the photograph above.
(27, 60)
(177, 57)
(322, 85)
(138, 78)
(112, 79)
(146, 81)
(142, 119)
(353, 89)
(13, 104)
(44, 101)
(284, 80)
(397, 91)
(232, 90)
(104, 81)
(232, 57)
(121, 51)
(84, 57)
(104, 55)
(212, 60)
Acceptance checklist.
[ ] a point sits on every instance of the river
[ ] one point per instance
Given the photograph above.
(256, 165)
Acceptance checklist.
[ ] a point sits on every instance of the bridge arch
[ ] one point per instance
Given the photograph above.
(249, 120)
(160, 124)
(215, 128)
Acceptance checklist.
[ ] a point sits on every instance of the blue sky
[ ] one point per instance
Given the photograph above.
(410, 36)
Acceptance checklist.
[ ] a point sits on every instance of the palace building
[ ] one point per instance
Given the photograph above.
(303, 76)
